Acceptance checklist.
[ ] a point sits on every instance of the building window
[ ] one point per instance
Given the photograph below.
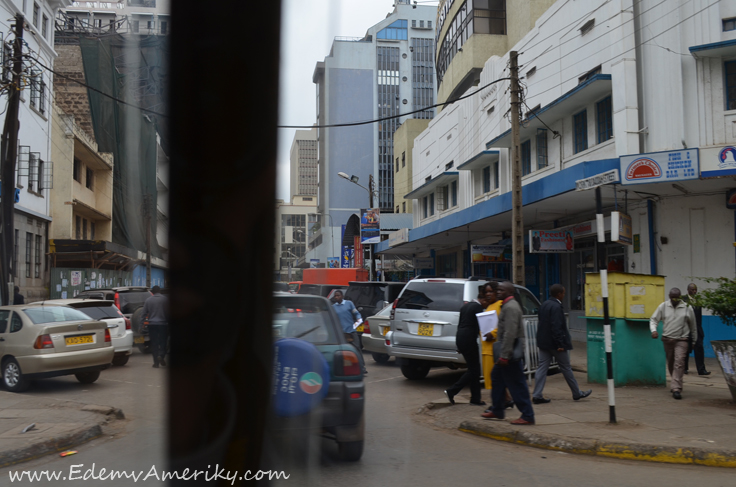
(526, 157)
(164, 27)
(25, 5)
(421, 24)
(429, 24)
(34, 160)
(487, 179)
(135, 26)
(453, 194)
(449, 165)
(78, 227)
(90, 178)
(424, 207)
(397, 164)
(15, 253)
(151, 24)
(84, 229)
(403, 159)
(495, 175)
(431, 204)
(580, 131)
(443, 198)
(45, 27)
(37, 265)
(77, 170)
(29, 243)
(91, 230)
(605, 120)
(541, 148)
(36, 12)
(414, 23)
(395, 32)
(730, 85)
(403, 207)
(35, 88)
(729, 24)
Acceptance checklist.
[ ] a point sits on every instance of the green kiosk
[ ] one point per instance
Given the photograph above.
(637, 358)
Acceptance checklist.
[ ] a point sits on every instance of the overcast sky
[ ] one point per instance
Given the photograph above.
(307, 30)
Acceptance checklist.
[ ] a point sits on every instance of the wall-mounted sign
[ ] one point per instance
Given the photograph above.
(621, 229)
(731, 199)
(718, 161)
(559, 240)
(487, 253)
(637, 244)
(423, 263)
(607, 177)
(370, 228)
(660, 167)
(333, 262)
(398, 237)
(313, 263)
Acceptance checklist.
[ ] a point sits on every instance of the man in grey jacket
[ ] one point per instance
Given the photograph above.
(156, 311)
(509, 373)
(678, 328)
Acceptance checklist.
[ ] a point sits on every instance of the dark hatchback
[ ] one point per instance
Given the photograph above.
(130, 301)
(340, 413)
(371, 297)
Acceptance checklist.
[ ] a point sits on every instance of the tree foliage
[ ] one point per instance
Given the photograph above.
(721, 301)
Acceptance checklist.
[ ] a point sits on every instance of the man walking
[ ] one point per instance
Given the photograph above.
(348, 315)
(509, 373)
(697, 347)
(677, 330)
(156, 311)
(553, 340)
(466, 341)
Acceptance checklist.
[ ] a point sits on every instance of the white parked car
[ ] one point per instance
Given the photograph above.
(120, 328)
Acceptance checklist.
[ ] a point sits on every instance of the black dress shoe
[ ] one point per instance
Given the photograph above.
(509, 405)
(541, 400)
(450, 396)
(481, 403)
(704, 372)
(686, 372)
(676, 395)
(163, 362)
(155, 366)
(583, 394)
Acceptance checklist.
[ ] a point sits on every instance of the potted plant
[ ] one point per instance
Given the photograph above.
(721, 301)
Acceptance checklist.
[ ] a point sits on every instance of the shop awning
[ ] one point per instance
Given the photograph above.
(715, 49)
(582, 95)
(92, 254)
(485, 158)
(429, 187)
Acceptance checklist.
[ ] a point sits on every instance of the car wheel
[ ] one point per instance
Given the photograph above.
(414, 369)
(380, 358)
(13, 377)
(350, 451)
(120, 360)
(136, 320)
(87, 377)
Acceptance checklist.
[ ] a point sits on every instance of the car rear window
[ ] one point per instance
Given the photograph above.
(364, 295)
(129, 302)
(100, 312)
(437, 296)
(308, 319)
(314, 289)
(54, 314)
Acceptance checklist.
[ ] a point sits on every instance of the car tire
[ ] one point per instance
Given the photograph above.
(414, 369)
(13, 377)
(136, 320)
(120, 360)
(350, 451)
(87, 377)
(380, 358)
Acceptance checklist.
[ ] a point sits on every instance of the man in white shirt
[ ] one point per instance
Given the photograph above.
(679, 327)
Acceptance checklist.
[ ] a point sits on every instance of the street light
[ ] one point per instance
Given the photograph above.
(293, 257)
(354, 179)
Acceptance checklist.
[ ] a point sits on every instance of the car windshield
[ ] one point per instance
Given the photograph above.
(364, 295)
(54, 314)
(529, 303)
(129, 302)
(440, 296)
(308, 319)
(100, 312)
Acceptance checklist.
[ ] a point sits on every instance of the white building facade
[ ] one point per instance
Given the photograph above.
(646, 88)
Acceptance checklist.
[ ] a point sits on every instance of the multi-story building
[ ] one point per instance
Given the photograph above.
(387, 72)
(303, 164)
(644, 88)
(144, 17)
(290, 245)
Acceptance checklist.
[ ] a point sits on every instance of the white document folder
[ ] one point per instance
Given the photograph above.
(488, 321)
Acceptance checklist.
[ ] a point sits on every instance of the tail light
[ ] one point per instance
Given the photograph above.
(388, 342)
(117, 300)
(43, 341)
(393, 308)
(346, 363)
(366, 327)
(107, 335)
(127, 324)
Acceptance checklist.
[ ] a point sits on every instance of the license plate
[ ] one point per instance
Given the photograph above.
(425, 329)
(80, 340)
(384, 330)
(139, 340)
(360, 328)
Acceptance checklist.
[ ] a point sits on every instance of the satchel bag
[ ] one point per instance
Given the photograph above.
(516, 355)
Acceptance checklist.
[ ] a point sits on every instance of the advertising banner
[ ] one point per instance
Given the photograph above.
(657, 167)
(313, 263)
(370, 228)
(345, 260)
(357, 253)
(423, 263)
(398, 237)
(718, 161)
(559, 240)
(333, 262)
(621, 229)
(488, 253)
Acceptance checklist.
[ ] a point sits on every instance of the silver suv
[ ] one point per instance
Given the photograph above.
(424, 322)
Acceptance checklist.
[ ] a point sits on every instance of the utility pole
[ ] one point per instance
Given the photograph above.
(602, 268)
(147, 215)
(372, 246)
(9, 149)
(517, 218)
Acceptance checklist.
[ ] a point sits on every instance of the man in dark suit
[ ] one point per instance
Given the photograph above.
(553, 340)
(466, 341)
(697, 347)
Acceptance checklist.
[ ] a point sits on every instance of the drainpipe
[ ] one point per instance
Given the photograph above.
(652, 243)
(639, 80)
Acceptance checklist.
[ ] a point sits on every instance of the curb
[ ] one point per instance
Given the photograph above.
(19, 455)
(641, 452)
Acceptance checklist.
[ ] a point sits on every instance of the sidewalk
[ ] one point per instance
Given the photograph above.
(59, 426)
(651, 424)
